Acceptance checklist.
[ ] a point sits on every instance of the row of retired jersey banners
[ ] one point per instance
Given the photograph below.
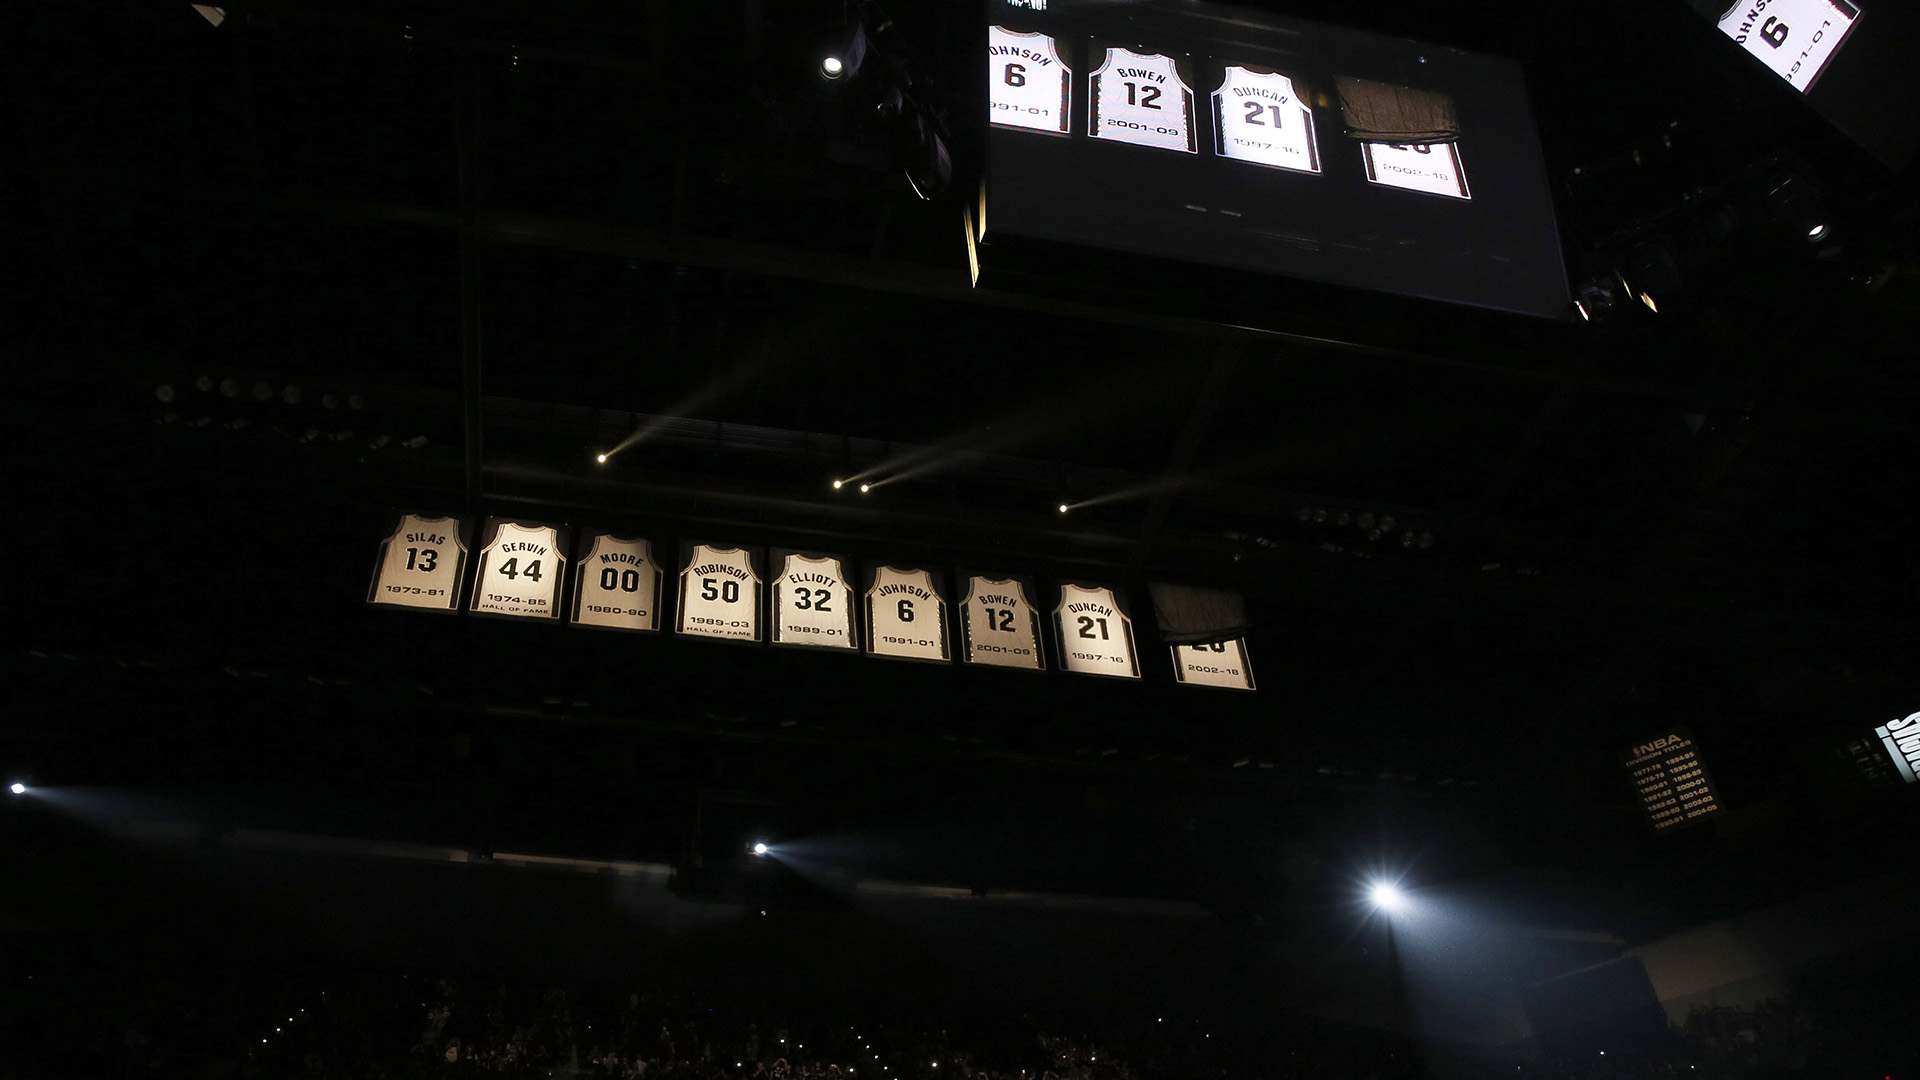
(522, 571)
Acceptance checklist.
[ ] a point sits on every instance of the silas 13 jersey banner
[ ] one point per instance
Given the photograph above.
(420, 564)
(812, 602)
(617, 585)
(719, 594)
(520, 570)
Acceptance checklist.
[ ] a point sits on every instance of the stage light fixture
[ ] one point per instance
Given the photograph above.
(601, 458)
(1647, 299)
(832, 68)
(760, 848)
(838, 484)
(864, 488)
(1387, 896)
(1817, 233)
(1063, 508)
(18, 788)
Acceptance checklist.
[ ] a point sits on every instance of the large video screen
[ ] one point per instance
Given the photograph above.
(1218, 136)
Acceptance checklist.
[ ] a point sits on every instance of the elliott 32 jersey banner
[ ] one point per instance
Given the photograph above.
(617, 585)
(906, 615)
(1096, 638)
(812, 602)
(420, 564)
(719, 594)
(1000, 625)
(520, 571)
(1027, 85)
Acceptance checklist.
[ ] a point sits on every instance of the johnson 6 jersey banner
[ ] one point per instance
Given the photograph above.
(906, 615)
(1096, 637)
(520, 570)
(616, 585)
(1028, 86)
(719, 593)
(999, 625)
(419, 564)
(812, 602)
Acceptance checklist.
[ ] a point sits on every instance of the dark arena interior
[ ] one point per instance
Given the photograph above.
(1566, 726)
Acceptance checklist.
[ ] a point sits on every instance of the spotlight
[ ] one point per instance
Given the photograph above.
(838, 484)
(760, 848)
(1387, 897)
(1647, 299)
(601, 458)
(17, 788)
(1817, 233)
(832, 68)
(864, 488)
(1063, 508)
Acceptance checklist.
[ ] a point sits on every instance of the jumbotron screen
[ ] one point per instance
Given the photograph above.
(1230, 138)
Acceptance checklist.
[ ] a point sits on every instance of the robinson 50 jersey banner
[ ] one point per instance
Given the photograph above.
(719, 594)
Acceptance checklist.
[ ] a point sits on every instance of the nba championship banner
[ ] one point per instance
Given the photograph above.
(1095, 635)
(1220, 663)
(420, 564)
(719, 592)
(1672, 783)
(520, 569)
(616, 584)
(812, 601)
(1902, 740)
(999, 626)
(906, 614)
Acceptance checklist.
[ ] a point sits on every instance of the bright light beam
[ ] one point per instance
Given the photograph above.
(1387, 897)
(18, 789)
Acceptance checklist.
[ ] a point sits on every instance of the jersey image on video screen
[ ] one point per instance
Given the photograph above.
(1142, 100)
(1027, 85)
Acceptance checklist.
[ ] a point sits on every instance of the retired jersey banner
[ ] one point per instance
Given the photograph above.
(520, 569)
(1096, 637)
(616, 584)
(719, 593)
(1221, 663)
(999, 626)
(812, 601)
(906, 614)
(420, 563)
(1902, 740)
(1671, 781)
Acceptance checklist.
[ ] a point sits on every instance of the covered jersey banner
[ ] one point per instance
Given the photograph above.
(616, 584)
(1221, 663)
(719, 593)
(999, 625)
(520, 569)
(906, 614)
(812, 601)
(420, 563)
(1096, 637)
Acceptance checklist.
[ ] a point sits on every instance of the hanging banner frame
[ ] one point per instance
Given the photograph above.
(730, 591)
(1191, 664)
(984, 616)
(1093, 625)
(514, 600)
(433, 537)
(895, 603)
(812, 605)
(597, 605)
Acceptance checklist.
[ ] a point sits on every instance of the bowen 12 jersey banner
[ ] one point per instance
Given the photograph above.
(420, 564)
(1096, 637)
(999, 625)
(906, 614)
(812, 601)
(520, 570)
(616, 584)
(719, 593)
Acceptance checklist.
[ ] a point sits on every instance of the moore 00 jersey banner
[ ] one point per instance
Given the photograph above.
(1027, 85)
(719, 593)
(419, 564)
(1221, 663)
(1000, 625)
(812, 601)
(906, 615)
(617, 585)
(1260, 117)
(1142, 100)
(520, 570)
(1096, 637)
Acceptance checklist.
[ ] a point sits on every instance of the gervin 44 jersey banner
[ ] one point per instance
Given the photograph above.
(520, 571)
(420, 564)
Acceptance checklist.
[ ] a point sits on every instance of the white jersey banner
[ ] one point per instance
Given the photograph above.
(1795, 38)
(1000, 625)
(719, 594)
(1429, 168)
(617, 585)
(1222, 663)
(813, 604)
(1142, 100)
(1095, 638)
(520, 571)
(420, 564)
(1027, 84)
(1258, 117)
(906, 615)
